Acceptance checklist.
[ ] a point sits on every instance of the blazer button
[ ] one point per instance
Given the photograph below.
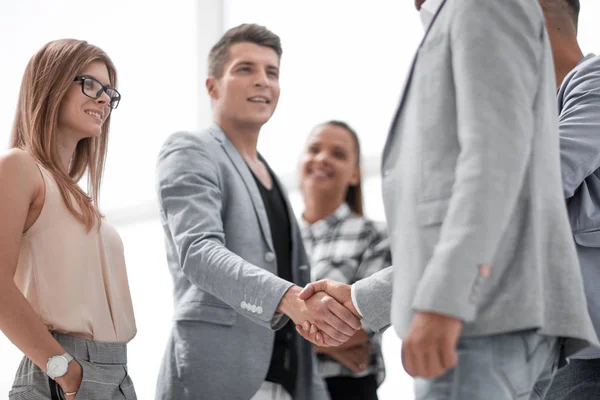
(269, 257)
(259, 310)
(243, 304)
(253, 308)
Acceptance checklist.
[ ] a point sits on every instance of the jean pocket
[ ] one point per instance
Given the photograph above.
(519, 359)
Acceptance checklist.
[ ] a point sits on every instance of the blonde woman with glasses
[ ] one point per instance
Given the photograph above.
(64, 295)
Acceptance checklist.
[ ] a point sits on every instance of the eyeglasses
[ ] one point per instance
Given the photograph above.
(93, 89)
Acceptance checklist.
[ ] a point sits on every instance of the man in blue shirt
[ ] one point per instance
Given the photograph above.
(578, 82)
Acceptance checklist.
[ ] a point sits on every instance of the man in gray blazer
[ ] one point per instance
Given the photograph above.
(485, 276)
(578, 82)
(234, 248)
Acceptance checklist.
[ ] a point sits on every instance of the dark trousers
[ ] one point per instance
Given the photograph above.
(348, 388)
(578, 380)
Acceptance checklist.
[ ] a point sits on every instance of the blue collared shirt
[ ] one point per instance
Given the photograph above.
(579, 126)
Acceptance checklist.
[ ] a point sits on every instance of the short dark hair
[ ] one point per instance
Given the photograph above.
(245, 33)
(571, 6)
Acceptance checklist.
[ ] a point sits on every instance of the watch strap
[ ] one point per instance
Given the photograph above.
(68, 357)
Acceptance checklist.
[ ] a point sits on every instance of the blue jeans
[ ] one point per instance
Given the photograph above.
(579, 379)
(499, 367)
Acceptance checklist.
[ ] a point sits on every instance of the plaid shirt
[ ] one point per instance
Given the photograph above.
(346, 247)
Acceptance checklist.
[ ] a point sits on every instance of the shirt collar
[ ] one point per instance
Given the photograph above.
(321, 226)
(428, 10)
(585, 58)
(573, 71)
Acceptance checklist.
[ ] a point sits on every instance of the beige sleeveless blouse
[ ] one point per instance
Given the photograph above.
(75, 280)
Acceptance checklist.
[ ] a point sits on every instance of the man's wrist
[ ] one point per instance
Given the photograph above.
(323, 350)
(289, 299)
(354, 302)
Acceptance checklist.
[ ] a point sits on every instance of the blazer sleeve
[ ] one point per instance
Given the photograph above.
(579, 127)
(373, 297)
(496, 53)
(190, 197)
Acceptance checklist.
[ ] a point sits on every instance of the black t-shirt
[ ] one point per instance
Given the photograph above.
(284, 361)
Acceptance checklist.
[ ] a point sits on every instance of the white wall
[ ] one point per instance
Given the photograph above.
(342, 59)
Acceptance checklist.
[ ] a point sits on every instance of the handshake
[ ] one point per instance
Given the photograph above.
(323, 312)
(325, 315)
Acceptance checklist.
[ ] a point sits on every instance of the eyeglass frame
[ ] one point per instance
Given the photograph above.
(104, 88)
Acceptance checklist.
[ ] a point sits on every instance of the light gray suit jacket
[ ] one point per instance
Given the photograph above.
(471, 178)
(226, 291)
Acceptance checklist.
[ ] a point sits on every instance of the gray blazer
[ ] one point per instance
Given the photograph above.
(220, 255)
(471, 178)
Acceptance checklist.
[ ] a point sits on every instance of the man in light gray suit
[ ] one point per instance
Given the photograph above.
(234, 249)
(486, 281)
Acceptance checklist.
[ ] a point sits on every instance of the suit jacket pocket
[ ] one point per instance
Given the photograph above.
(432, 212)
(588, 239)
(206, 312)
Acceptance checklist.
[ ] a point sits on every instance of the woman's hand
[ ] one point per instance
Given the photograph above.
(71, 381)
(354, 358)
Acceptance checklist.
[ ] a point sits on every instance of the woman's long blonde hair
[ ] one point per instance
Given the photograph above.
(48, 76)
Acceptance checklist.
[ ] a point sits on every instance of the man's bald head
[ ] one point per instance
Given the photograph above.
(562, 9)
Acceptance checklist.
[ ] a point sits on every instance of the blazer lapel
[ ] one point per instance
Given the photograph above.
(248, 179)
(407, 82)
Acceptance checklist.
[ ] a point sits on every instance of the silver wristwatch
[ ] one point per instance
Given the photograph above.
(58, 366)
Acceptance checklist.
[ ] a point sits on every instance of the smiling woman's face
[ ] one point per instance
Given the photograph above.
(80, 116)
(329, 162)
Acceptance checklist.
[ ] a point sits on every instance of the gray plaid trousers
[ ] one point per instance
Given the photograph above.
(104, 368)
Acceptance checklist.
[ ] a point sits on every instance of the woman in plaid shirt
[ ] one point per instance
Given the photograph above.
(344, 246)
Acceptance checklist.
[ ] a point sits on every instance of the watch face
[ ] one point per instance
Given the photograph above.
(58, 366)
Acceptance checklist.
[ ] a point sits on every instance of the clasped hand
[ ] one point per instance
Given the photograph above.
(330, 317)
(428, 349)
